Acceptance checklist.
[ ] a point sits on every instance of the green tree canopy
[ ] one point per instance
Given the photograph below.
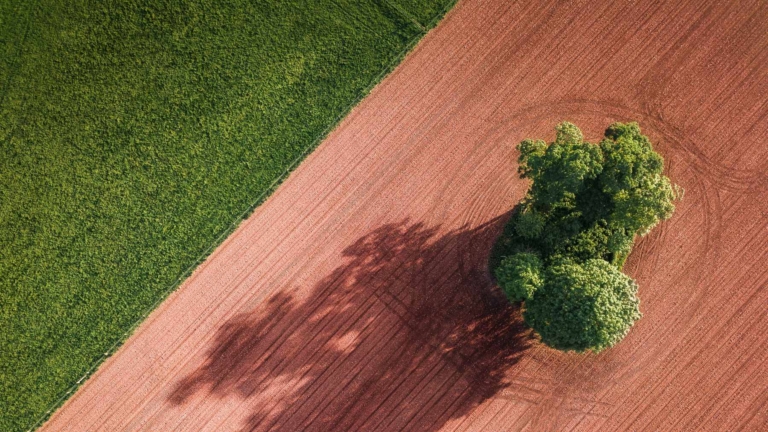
(581, 307)
(628, 158)
(558, 171)
(563, 250)
(632, 177)
(519, 275)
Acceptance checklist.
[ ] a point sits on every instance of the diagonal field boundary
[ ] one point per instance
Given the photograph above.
(257, 201)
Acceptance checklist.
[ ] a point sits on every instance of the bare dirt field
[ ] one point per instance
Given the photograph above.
(358, 297)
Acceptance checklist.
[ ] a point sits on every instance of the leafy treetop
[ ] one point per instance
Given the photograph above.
(583, 306)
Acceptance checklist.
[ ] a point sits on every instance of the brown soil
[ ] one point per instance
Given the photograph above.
(358, 298)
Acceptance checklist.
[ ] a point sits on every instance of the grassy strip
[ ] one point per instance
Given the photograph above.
(135, 136)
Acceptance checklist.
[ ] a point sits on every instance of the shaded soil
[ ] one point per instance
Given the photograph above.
(358, 298)
(384, 341)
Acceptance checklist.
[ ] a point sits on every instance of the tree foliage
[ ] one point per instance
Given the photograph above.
(559, 170)
(519, 275)
(583, 306)
(563, 250)
(633, 178)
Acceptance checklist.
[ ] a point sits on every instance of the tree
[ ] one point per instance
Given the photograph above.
(639, 209)
(519, 276)
(583, 307)
(628, 158)
(562, 252)
(632, 177)
(558, 171)
(530, 223)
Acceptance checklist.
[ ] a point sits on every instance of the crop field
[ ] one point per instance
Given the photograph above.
(134, 133)
(358, 297)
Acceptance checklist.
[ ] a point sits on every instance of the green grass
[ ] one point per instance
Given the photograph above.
(135, 134)
(426, 13)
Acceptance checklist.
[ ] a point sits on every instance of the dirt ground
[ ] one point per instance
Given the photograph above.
(358, 296)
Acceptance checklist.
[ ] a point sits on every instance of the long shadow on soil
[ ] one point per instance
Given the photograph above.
(408, 333)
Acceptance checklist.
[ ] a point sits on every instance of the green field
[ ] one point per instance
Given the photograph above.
(135, 134)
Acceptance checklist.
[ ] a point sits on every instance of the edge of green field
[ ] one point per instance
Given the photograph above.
(51, 376)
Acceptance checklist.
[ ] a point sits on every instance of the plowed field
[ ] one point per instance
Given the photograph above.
(358, 297)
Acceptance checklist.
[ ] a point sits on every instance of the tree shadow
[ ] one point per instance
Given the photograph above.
(408, 333)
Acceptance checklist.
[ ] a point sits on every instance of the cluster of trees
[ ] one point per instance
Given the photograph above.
(563, 250)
